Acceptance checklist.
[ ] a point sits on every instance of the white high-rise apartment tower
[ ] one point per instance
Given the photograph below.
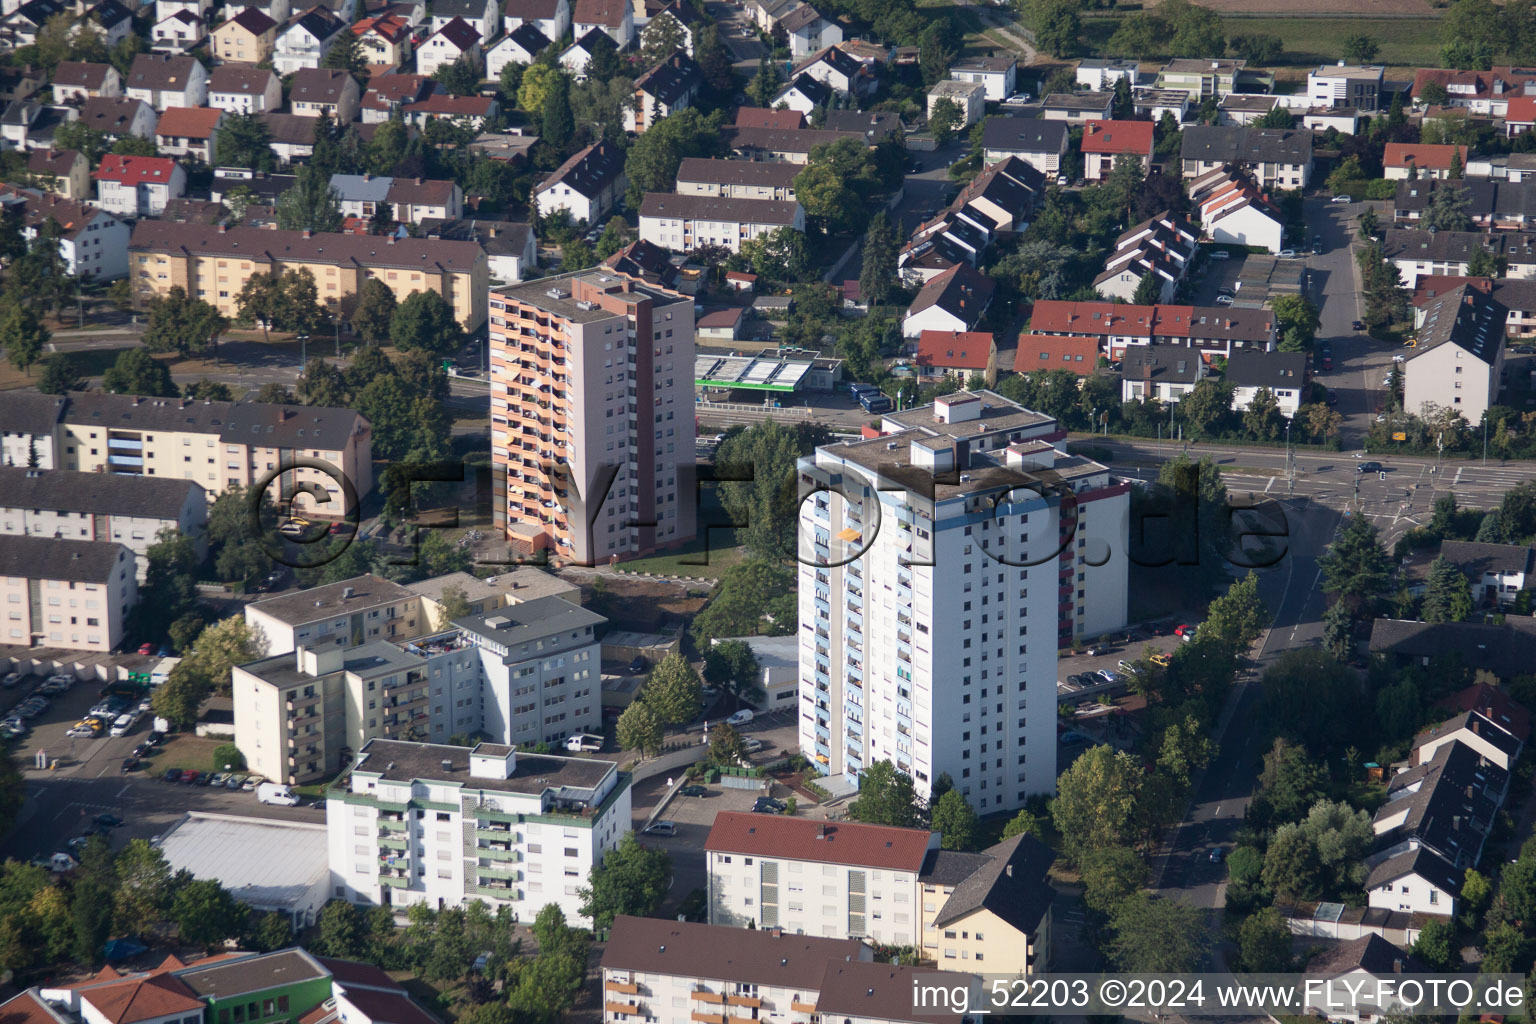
(942, 565)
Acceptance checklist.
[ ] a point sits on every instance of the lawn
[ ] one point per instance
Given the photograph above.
(706, 561)
(183, 751)
(91, 363)
(1405, 42)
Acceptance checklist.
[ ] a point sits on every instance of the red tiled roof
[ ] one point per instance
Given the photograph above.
(352, 972)
(135, 170)
(191, 122)
(1490, 702)
(1462, 85)
(1522, 110)
(143, 999)
(842, 842)
(1401, 154)
(1055, 352)
(761, 117)
(1431, 286)
(386, 1007)
(27, 1008)
(1133, 137)
(391, 26)
(1055, 316)
(963, 350)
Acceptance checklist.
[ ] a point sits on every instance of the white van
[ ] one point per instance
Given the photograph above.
(741, 717)
(124, 724)
(276, 793)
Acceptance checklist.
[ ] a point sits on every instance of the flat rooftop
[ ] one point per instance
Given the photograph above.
(756, 373)
(553, 295)
(358, 594)
(366, 660)
(261, 861)
(521, 623)
(521, 584)
(997, 414)
(402, 762)
(890, 457)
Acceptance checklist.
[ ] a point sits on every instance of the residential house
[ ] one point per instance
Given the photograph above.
(1499, 573)
(785, 146)
(104, 507)
(809, 31)
(802, 94)
(1478, 733)
(1446, 804)
(202, 9)
(481, 15)
(615, 18)
(247, 38)
(20, 82)
(1418, 253)
(1203, 78)
(837, 70)
(178, 34)
(138, 186)
(1344, 120)
(396, 92)
(455, 41)
(304, 41)
(666, 88)
(1482, 93)
(875, 125)
(1152, 104)
(511, 249)
(1161, 246)
(470, 112)
(1232, 210)
(385, 40)
(1161, 374)
(955, 300)
(1492, 204)
(1520, 116)
(578, 55)
(64, 172)
(1283, 374)
(119, 117)
(1275, 157)
(164, 80)
(99, 573)
(1361, 980)
(25, 125)
(1041, 144)
(77, 80)
(93, 244)
(655, 266)
(1243, 109)
(1413, 880)
(1460, 355)
(999, 200)
(242, 89)
(189, 132)
(1077, 106)
(1121, 328)
(519, 46)
(20, 26)
(684, 223)
(361, 195)
(762, 117)
(1503, 651)
(963, 353)
(587, 185)
(416, 200)
(29, 423)
(1099, 74)
(1045, 352)
(277, 10)
(998, 74)
(736, 179)
(1345, 85)
(551, 17)
(970, 98)
(316, 92)
(191, 254)
(1495, 705)
(1105, 142)
(1412, 159)
(688, 22)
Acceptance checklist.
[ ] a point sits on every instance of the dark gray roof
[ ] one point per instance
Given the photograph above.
(1370, 953)
(718, 208)
(1161, 363)
(1248, 367)
(357, 594)
(1079, 101)
(738, 955)
(1505, 650)
(1474, 722)
(879, 991)
(319, 85)
(1023, 135)
(673, 80)
(315, 427)
(460, 33)
(467, 9)
(783, 140)
(1234, 144)
(1450, 801)
(950, 867)
(812, 89)
(528, 36)
(875, 124)
(28, 412)
(398, 761)
(589, 171)
(1427, 864)
(1011, 884)
(761, 173)
(253, 974)
(48, 558)
(132, 412)
(1475, 559)
(523, 623)
(1519, 247)
(160, 71)
(59, 490)
(1467, 317)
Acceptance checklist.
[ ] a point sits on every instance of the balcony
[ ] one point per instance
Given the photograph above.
(387, 825)
(485, 871)
(501, 853)
(394, 842)
(799, 1007)
(628, 988)
(705, 996)
(753, 1001)
(629, 1009)
(395, 881)
(707, 1018)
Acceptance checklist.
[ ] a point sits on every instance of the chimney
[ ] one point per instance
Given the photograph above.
(306, 232)
(1009, 870)
(418, 181)
(221, 228)
(1397, 966)
(390, 240)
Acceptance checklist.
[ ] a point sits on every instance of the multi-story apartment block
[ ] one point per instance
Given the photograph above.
(518, 586)
(29, 424)
(218, 445)
(677, 972)
(138, 186)
(955, 545)
(892, 886)
(1459, 360)
(71, 594)
(736, 179)
(416, 822)
(1202, 78)
(683, 223)
(213, 263)
(592, 432)
(540, 661)
(92, 242)
(101, 507)
(1276, 157)
(345, 614)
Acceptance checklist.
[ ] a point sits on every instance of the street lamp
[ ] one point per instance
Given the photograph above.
(303, 351)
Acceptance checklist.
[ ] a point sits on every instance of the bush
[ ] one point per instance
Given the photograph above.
(227, 757)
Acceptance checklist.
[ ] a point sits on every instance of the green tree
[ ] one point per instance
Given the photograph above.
(1258, 48)
(946, 119)
(1149, 290)
(1263, 419)
(1057, 26)
(205, 913)
(1360, 48)
(311, 204)
(576, 255)
(631, 880)
(346, 54)
(1111, 874)
(323, 384)
(1096, 800)
(759, 489)
(425, 321)
(725, 746)
(136, 372)
(342, 931)
(651, 161)
(375, 311)
(886, 797)
(614, 237)
(1264, 942)
(1506, 949)
(1296, 321)
(22, 335)
(179, 698)
(1356, 566)
(640, 728)
(1141, 34)
(877, 275)
(661, 38)
(1447, 593)
(1196, 30)
(1447, 209)
(827, 198)
(1239, 615)
(60, 375)
(181, 324)
(954, 819)
(732, 666)
(558, 123)
(462, 77)
(1025, 823)
(143, 887)
(1436, 945)
(269, 931)
(1153, 935)
(673, 690)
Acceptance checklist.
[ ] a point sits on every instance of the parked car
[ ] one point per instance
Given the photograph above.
(63, 678)
(741, 717)
(1224, 300)
(146, 648)
(661, 828)
(1217, 855)
(172, 775)
(108, 820)
(219, 779)
(1357, 325)
(235, 781)
(1219, 254)
(1111, 676)
(189, 775)
(1287, 254)
(276, 793)
(144, 750)
(1341, 199)
(1161, 659)
(1183, 629)
(1072, 739)
(1317, 243)
(694, 791)
(250, 784)
(1127, 666)
(124, 724)
(1333, 397)
(751, 745)
(768, 805)
(11, 680)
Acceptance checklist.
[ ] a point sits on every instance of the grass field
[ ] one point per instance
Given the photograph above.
(1408, 42)
(693, 560)
(92, 363)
